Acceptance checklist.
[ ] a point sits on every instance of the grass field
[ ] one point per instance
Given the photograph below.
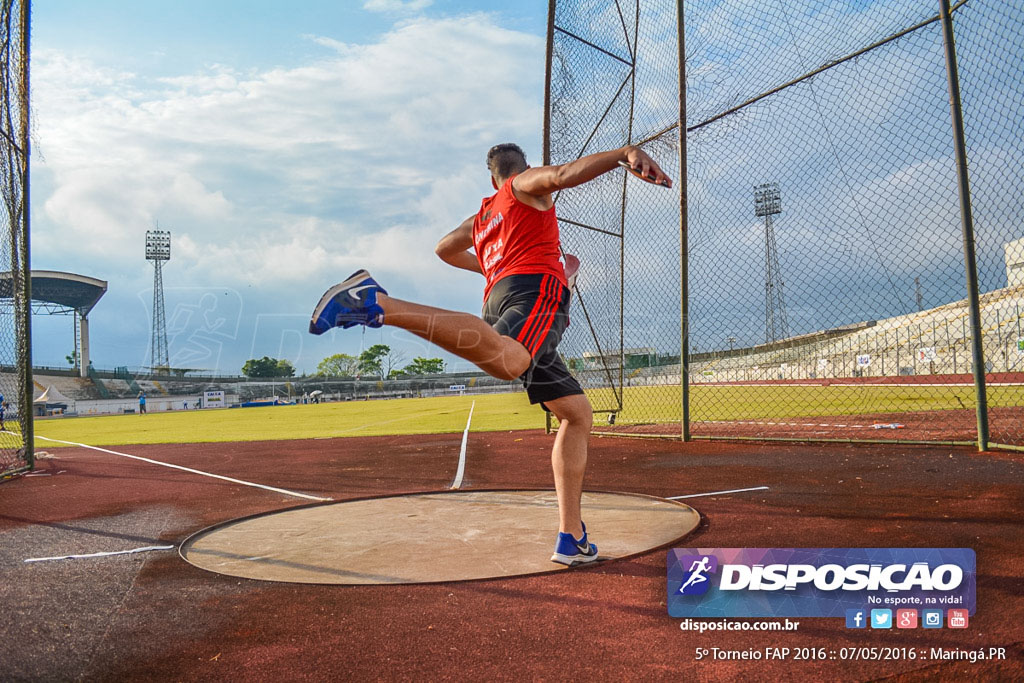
(763, 402)
(497, 412)
(493, 412)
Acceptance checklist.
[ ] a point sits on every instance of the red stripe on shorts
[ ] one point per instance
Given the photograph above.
(538, 313)
(547, 318)
(532, 319)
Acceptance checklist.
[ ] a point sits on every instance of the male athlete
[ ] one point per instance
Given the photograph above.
(515, 243)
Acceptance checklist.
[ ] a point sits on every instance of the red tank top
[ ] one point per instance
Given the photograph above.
(512, 238)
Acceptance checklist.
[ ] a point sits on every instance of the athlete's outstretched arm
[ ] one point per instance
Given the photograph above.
(548, 179)
(454, 247)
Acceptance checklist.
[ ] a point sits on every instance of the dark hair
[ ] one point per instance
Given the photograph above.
(505, 160)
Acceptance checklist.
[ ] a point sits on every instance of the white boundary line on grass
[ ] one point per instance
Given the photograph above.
(188, 469)
(115, 552)
(718, 493)
(461, 471)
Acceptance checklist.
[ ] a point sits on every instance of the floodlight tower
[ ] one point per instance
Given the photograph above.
(158, 250)
(768, 203)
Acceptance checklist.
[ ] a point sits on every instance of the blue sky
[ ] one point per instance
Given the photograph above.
(287, 146)
(284, 146)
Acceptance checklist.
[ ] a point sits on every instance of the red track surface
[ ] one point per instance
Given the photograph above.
(152, 616)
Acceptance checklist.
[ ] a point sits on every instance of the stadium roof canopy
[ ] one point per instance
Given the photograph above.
(56, 292)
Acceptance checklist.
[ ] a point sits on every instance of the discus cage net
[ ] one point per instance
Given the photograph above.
(16, 453)
(845, 241)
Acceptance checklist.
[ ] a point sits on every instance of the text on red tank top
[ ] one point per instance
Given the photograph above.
(513, 238)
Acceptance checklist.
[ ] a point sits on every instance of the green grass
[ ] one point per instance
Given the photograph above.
(748, 402)
(496, 412)
(353, 418)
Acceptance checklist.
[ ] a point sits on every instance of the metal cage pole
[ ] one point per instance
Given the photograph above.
(684, 285)
(24, 343)
(549, 51)
(967, 223)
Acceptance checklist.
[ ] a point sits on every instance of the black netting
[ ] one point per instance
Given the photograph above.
(15, 356)
(827, 295)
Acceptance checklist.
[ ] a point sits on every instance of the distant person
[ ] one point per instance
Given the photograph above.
(185, 406)
(3, 411)
(513, 242)
(142, 402)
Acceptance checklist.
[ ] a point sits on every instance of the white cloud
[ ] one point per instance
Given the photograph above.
(396, 5)
(353, 144)
(285, 180)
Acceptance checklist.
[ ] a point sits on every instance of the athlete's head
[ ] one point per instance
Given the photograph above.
(505, 160)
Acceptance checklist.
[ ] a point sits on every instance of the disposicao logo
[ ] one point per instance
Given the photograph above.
(696, 580)
(817, 582)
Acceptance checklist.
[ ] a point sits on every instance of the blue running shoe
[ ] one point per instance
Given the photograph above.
(572, 551)
(350, 303)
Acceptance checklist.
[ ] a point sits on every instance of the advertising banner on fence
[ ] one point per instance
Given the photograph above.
(817, 582)
(213, 399)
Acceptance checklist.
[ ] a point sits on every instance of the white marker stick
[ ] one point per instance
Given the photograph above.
(461, 471)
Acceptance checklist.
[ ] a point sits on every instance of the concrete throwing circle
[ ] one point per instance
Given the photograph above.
(429, 537)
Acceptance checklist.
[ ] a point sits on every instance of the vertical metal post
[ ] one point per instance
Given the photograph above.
(547, 82)
(25, 333)
(622, 217)
(967, 223)
(897, 351)
(684, 285)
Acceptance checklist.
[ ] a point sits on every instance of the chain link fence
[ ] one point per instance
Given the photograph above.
(823, 256)
(15, 282)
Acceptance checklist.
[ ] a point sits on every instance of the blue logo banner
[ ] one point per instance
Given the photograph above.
(817, 582)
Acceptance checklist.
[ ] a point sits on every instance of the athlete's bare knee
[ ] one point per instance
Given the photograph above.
(574, 409)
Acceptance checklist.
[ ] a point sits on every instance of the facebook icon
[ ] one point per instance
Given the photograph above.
(856, 618)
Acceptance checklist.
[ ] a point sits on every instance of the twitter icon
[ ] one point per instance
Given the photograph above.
(881, 618)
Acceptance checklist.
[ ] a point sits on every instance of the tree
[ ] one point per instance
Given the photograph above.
(379, 360)
(338, 365)
(285, 368)
(370, 360)
(268, 367)
(422, 366)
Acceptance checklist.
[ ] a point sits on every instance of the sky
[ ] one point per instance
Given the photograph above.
(283, 145)
(287, 146)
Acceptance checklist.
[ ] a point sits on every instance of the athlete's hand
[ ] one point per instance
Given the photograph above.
(640, 162)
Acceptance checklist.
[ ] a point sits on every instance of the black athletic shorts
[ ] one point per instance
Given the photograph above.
(534, 310)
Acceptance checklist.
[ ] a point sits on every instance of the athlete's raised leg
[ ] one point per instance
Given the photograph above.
(463, 334)
(359, 300)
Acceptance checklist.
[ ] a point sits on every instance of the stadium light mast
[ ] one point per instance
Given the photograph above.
(158, 250)
(768, 203)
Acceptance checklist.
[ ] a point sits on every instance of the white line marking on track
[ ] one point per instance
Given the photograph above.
(717, 493)
(116, 552)
(787, 424)
(461, 471)
(188, 469)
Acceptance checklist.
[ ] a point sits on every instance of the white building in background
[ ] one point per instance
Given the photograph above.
(1013, 255)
